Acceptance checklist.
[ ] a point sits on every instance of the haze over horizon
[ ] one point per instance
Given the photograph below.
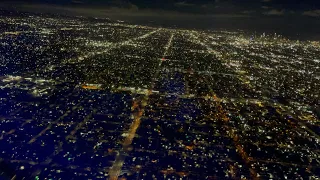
(299, 20)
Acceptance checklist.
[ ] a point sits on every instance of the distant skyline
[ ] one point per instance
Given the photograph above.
(291, 18)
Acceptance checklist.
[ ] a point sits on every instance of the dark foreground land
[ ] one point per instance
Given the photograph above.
(85, 98)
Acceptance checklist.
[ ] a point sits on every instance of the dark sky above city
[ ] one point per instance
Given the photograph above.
(293, 18)
(309, 8)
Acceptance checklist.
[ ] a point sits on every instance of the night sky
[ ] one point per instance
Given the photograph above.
(297, 19)
(251, 7)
